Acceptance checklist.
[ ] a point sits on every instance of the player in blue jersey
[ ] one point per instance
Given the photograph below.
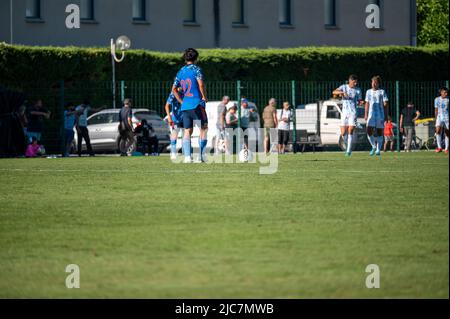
(175, 121)
(441, 111)
(193, 104)
(351, 97)
(375, 113)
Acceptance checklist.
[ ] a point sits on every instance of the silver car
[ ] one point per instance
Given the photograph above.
(104, 133)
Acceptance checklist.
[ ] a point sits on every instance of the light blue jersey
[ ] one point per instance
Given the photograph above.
(175, 108)
(69, 120)
(376, 99)
(442, 105)
(187, 78)
(354, 95)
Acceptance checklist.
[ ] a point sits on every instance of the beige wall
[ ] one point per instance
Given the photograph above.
(166, 31)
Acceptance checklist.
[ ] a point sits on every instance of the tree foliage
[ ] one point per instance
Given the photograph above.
(432, 21)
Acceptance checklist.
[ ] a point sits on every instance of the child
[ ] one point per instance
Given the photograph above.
(389, 134)
(33, 149)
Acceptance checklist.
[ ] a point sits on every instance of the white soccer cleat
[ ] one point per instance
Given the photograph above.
(187, 160)
(201, 159)
(173, 156)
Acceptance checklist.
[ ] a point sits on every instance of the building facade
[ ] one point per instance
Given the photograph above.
(173, 25)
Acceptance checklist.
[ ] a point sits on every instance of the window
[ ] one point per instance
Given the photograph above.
(333, 112)
(139, 10)
(87, 10)
(104, 118)
(284, 12)
(238, 11)
(189, 11)
(33, 9)
(330, 13)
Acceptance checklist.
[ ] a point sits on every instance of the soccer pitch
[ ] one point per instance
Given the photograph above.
(143, 227)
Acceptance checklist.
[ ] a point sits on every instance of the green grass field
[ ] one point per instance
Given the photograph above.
(146, 228)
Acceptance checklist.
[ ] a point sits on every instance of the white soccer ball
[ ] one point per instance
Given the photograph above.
(221, 147)
(245, 156)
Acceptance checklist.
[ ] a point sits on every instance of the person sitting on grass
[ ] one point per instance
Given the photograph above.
(389, 134)
(148, 137)
(33, 149)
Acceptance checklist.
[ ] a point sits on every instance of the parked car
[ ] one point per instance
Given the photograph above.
(104, 133)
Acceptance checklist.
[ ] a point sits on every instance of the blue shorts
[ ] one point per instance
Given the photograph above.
(190, 117)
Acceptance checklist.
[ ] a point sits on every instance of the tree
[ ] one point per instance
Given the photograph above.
(432, 21)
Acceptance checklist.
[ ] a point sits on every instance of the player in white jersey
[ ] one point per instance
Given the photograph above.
(351, 97)
(376, 110)
(441, 111)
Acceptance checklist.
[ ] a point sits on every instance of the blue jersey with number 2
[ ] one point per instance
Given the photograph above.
(187, 78)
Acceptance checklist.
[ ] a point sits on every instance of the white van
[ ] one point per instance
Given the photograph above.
(321, 122)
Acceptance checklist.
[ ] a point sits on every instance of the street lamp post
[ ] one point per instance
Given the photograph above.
(122, 43)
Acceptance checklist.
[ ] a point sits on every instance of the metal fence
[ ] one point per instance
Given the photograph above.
(153, 94)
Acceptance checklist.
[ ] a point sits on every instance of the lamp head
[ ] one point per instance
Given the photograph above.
(123, 43)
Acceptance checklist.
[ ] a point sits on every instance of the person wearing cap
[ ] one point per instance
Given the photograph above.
(408, 118)
(126, 127)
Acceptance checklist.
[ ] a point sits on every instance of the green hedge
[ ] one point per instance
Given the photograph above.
(25, 63)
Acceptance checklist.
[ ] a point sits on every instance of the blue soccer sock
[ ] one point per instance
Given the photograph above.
(203, 144)
(187, 147)
(372, 141)
(379, 143)
(173, 146)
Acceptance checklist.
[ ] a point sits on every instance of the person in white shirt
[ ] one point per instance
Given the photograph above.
(284, 126)
(351, 97)
(441, 112)
(375, 113)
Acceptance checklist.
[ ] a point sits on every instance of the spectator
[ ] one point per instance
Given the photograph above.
(36, 115)
(221, 113)
(248, 115)
(389, 134)
(22, 115)
(231, 122)
(270, 122)
(69, 123)
(408, 118)
(82, 112)
(284, 126)
(33, 149)
(148, 138)
(126, 128)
